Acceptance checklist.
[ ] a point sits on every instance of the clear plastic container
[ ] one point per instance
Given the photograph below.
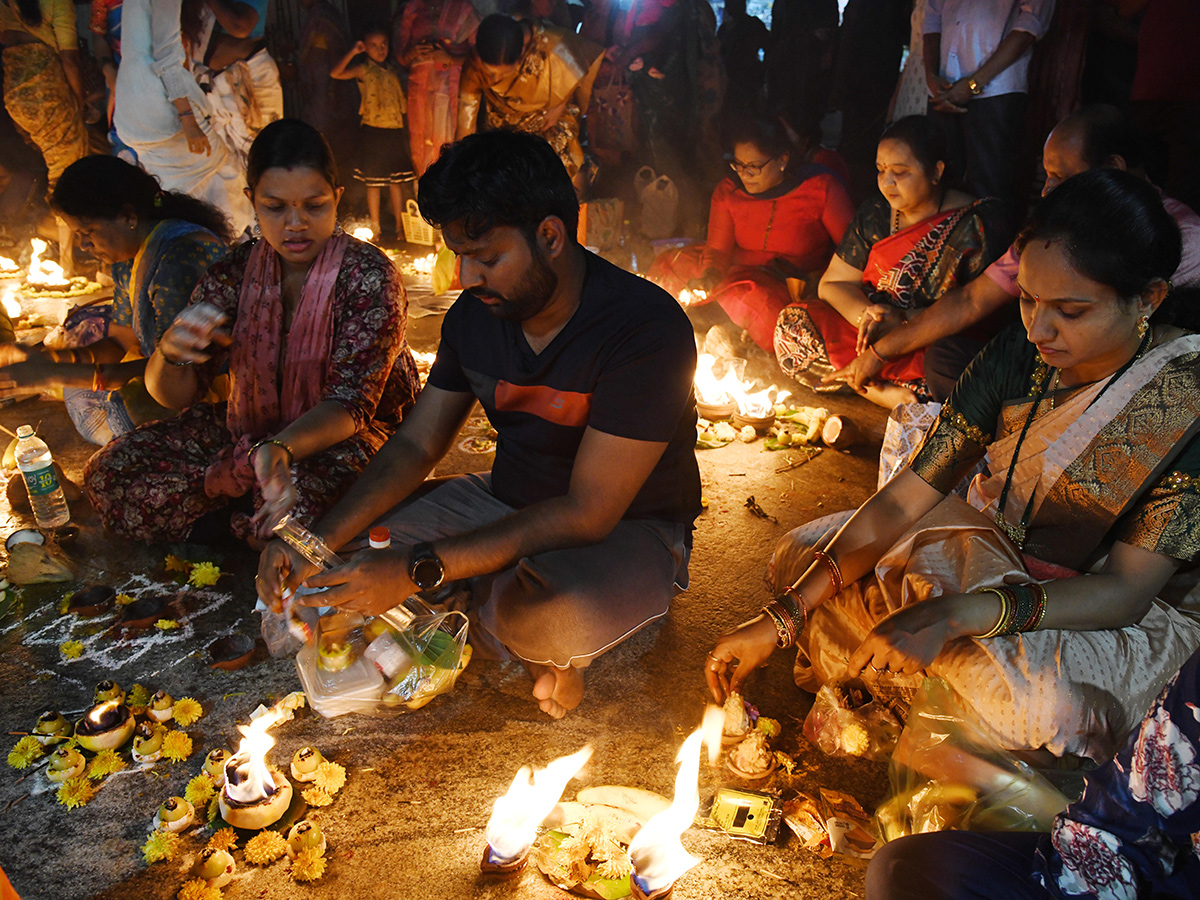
(45, 493)
(357, 690)
(307, 544)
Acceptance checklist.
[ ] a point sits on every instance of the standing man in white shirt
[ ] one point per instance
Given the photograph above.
(976, 67)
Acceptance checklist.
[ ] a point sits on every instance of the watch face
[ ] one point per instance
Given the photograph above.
(427, 573)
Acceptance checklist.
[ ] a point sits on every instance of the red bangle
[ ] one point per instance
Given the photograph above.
(877, 355)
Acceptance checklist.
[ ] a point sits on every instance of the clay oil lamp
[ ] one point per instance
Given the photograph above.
(147, 742)
(93, 600)
(214, 766)
(65, 763)
(52, 728)
(305, 763)
(144, 612)
(231, 652)
(255, 795)
(161, 707)
(174, 815)
(516, 816)
(214, 866)
(106, 726)
(657, 857)
(303, 836)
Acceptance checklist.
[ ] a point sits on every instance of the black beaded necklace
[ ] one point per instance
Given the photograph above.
(1017, 533)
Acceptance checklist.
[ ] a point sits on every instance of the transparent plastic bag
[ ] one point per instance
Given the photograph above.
(428, 657)
(948, 772)
(845, 720)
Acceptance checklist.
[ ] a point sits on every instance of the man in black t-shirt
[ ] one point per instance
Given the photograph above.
(580, 533)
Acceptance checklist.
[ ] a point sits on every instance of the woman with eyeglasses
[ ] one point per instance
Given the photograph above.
(903, 250)
(771, 220)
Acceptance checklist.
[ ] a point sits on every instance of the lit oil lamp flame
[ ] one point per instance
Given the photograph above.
(44, 272)
(12, 308)
(102, 715)
(656, 853)
(688, 297)
(248, 779)
(363, 233)
(516, 816)
(9, 266)
(424, 265)
(730, 388)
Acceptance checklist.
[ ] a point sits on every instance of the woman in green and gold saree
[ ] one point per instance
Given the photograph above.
(1055, 599)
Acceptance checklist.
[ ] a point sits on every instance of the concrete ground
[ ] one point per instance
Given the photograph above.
(420, 784)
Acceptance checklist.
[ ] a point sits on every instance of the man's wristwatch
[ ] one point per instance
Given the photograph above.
(975, 86)
(425, 569)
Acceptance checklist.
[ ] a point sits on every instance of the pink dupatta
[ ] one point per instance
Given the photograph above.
(264, 399)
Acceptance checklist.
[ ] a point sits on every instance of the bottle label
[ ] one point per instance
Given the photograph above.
(41, 481)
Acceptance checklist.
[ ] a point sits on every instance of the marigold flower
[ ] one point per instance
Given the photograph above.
(160, 844)
(76, 792)
(204, 574)
(104, 764)
(198, 889)
(187, 711)
(177, 746)
(225, 839)
(331, 777)
(265, 847)
(25, 752)
(199, 791)
(317, 797)
(71, 649)
(309, 865)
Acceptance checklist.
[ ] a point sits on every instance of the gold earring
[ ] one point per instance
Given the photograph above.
(1143, 326)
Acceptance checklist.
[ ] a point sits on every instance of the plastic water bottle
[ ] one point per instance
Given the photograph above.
(45, 493)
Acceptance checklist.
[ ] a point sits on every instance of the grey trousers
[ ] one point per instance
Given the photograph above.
(564, 607)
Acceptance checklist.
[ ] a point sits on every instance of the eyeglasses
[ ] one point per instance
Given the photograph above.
(752, 170)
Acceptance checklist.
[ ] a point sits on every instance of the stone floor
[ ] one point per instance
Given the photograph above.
(421, 784)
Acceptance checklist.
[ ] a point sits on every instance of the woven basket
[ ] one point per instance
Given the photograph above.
(416, 229)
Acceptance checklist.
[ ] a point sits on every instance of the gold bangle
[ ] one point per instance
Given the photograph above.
(835, 573)
(278, 443)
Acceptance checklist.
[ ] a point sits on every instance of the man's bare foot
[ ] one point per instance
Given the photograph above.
(556, 690)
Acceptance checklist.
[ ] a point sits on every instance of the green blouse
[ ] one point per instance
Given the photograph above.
(992, 399)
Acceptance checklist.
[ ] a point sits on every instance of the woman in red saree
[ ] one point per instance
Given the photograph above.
(311, 323)
(902, 251)
(768, 222)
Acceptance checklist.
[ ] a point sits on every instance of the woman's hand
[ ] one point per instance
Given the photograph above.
(737, 654)
(194, 330)
(279, 568)
(877, 320)
(908, 640)
(274, 476)
(197, 140)
(861, 372)
(11, 354)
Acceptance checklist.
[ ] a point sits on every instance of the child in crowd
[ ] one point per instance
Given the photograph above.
(385, 155)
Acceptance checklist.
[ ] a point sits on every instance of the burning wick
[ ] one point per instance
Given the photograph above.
(688, 297)
(363, 233)
(513, 826)
(424, 265)
(730, 388)
(255, 795)
(8, 265)
(656, 854)
(105, 726)
(43, 272)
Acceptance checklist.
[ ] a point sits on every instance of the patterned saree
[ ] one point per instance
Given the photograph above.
(1111, 461)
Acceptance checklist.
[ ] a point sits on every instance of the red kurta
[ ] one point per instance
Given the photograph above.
(795, 231)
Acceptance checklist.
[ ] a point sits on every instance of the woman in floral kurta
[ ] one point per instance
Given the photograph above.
(150, 483)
